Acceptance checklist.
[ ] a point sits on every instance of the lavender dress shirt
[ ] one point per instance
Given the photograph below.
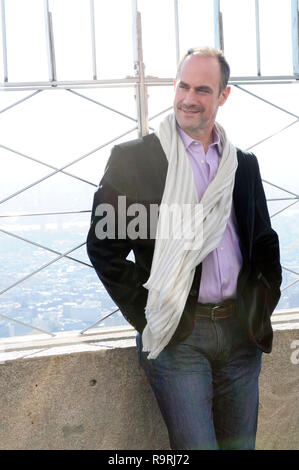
(220, 269)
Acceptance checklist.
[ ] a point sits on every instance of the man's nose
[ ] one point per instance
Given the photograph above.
(189, 98)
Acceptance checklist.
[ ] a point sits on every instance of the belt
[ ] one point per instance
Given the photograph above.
(216, 311)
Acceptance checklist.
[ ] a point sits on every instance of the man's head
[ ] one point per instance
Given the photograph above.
(201, 87)
(209, 52)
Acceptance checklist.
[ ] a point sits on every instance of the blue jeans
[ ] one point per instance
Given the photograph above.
(207, 386)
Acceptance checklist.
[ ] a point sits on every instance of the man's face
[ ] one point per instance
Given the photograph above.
(197, 96)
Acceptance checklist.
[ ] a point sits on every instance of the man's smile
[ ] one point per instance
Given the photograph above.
(189, 110)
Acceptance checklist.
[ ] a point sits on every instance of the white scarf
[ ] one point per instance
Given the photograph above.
(174, 261)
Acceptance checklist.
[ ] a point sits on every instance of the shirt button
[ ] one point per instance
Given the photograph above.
(202, 161)
(225, 280)
(221, 248)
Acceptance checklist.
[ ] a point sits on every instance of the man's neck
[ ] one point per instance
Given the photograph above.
(206, 139)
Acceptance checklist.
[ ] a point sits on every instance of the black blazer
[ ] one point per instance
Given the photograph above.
(137, 170)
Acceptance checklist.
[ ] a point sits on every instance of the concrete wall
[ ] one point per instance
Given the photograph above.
(88, 392)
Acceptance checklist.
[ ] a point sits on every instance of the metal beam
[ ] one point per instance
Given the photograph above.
(279, 187)
(32, 214)
(134, 81)
(103, 105)
(35, 160)
(177, 30)
(272, 135)
(284, 209)
(26, 240)
(218, 26)
(99, 321)
(19, 101)
(295, 36)
(257, 36)
(268, 102)
(26, 324)
(141, 88)
(93, 40)
(289, 285)
(50, 43)
(59, 170)
(44, 266)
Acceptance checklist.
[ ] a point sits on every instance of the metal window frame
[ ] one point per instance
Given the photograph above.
(218, 26)
(50, 42)
(257, 36)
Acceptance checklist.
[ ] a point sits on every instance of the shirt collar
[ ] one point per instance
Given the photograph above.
(187, 140)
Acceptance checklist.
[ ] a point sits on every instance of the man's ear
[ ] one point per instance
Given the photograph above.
(224, 95)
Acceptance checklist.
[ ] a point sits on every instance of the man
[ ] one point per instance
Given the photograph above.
(201, 306)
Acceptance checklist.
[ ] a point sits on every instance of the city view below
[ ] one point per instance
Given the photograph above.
(69, 296)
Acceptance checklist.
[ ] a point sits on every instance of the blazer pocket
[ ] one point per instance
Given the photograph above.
(259, 300)
(259, 307)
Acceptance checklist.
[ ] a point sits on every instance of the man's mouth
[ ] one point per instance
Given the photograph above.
(189, 110)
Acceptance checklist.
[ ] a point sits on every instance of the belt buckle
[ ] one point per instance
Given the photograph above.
(213, 312)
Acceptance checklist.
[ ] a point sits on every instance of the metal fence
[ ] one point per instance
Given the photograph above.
(141, 83)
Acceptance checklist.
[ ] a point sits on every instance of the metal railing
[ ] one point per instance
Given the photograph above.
(141, 83)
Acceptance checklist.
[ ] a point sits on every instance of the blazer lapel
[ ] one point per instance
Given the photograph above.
(243, 200)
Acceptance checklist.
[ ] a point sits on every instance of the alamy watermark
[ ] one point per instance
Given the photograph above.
(2, 351)
(295, 354)
(177, 222)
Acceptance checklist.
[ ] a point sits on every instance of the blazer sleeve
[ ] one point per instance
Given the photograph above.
(265, 240)
(108, 255)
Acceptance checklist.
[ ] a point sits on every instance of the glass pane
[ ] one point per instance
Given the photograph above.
(93, 166)
(9, 98)
(26, 40)
(249, 120)
(239, 36)
(58, 232)
(278, 161)
(13, 267)
(276, 37)
(12, 180)
(58, 127)
(72, 39)
(196, 21)
(114, 41)
(277, 198)
(282, 95)
(59, 192)
(158, 37)
(160, 100)
(64, 296)
(286, 224)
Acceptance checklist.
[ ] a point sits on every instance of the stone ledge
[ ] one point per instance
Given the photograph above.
(87, 391)
(38, 345)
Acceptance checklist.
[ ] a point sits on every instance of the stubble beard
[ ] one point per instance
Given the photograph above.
(198, 125)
